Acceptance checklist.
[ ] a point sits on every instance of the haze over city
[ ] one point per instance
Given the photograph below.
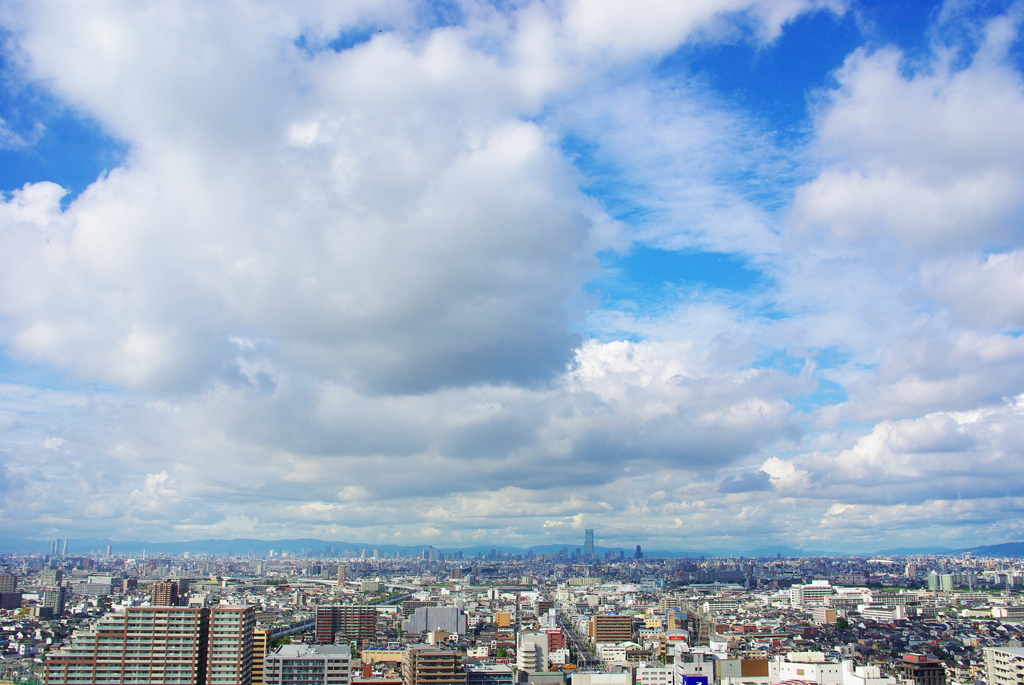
(716, 275)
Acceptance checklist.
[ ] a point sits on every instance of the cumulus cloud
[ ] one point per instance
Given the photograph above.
(338, 287)
(396, 226)
(912, 159)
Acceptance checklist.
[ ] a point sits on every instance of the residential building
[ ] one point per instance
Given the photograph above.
(260, 643)
(345, 624)
(428, 665)
(53, 598)
(611, 628)
(164, 594)
(300, 664)
(50, 577)
(159, 645)
(229, 649)
(1004, 665)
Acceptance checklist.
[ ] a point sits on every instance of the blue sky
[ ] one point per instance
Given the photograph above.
(714, 275)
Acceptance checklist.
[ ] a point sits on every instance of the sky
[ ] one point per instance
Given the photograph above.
(721, 274)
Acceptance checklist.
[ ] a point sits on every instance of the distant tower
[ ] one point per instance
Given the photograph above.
(638, 554)
(588, 544)
(64, 548)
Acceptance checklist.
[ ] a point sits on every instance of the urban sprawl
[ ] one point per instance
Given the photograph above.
(570, 618)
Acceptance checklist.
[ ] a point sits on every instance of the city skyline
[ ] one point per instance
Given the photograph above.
(724, 275)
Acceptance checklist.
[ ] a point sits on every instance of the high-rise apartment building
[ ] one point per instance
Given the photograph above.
(588, 543)
(300, 664)
(53, 598)
(159, 645)
(8, 582)
(164, 594)
(428, 665)
(344, 624)
(50, 577)
(611, 628)
(229, 646)
(1004, 665)
(260, 643)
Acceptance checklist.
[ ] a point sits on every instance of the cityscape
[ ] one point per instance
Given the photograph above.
(578, 615)
(512, 342)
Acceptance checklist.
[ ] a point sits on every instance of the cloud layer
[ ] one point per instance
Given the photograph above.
(339, 286)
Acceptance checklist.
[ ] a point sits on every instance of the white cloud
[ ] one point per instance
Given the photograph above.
(340, 293)
(913, 158)
(654, 26)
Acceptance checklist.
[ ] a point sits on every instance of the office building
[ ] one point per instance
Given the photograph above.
(611, 628)
(428, 665)
(816, 593)
(345, 624)
(588, 543)
(921, 669)
(8, 582)
(158, 646)
(301, 664)
(1004, 665)
(489, 674)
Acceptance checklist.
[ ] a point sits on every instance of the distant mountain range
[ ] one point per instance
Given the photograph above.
(243, 546)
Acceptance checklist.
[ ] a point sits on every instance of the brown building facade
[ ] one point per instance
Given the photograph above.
(345, 624)
(428, 665)
(611, 628)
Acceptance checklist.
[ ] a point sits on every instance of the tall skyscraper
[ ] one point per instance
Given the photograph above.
(160, 645)
(588, 543)
(8, 582)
